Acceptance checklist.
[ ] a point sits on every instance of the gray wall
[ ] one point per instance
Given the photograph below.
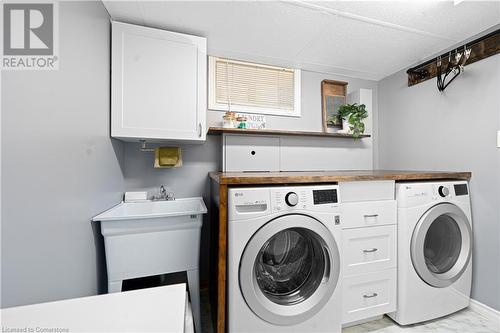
(59, 166)
(191, 180)
(421, 128)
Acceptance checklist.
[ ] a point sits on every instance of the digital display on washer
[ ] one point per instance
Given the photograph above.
(461, 189)
(324, 196)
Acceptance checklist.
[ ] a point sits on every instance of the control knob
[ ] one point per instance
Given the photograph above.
(443, 191)
(291, 199)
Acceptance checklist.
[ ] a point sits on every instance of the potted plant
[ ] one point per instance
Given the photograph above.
(353, 115)
(335, 121)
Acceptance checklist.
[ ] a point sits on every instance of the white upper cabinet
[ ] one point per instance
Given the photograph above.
(158, 85)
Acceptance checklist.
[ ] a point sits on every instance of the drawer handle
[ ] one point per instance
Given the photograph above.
(370, 296)
(370, 216)
(370, 250)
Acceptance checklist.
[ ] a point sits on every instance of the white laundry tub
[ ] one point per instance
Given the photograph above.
(151, 238)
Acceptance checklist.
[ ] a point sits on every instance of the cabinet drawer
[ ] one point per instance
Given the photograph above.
(360, 191)
(368, 213)
(368, 295)
(369, 249)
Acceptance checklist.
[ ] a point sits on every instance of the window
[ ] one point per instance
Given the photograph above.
(254, 88)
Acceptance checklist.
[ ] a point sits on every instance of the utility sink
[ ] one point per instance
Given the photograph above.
(151, 238)
(153, 209)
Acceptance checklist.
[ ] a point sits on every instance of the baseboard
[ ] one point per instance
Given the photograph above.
(485, 311)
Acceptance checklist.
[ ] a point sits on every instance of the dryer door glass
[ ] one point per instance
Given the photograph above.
(441, 245)
(290, 266)
(289, 269)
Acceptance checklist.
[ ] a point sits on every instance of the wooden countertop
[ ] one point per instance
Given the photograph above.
(247, 178)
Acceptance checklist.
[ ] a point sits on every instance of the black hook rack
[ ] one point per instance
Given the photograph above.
(452, 62)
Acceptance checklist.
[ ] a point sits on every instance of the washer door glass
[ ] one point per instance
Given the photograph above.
(441, 245)
(290, 266)
(289, 269)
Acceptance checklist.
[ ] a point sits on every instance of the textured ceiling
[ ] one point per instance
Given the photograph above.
(368, 39)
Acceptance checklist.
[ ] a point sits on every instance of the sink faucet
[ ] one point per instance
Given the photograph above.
(164, 195)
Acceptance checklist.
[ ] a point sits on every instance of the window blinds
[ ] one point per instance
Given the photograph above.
(253, 85)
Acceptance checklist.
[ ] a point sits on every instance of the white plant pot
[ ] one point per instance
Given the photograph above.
(346, 127)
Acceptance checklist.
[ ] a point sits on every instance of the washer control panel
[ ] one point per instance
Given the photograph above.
(315, 198)
(250, 202)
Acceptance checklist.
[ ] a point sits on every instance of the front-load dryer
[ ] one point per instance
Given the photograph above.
(434, 250)
(283, 259)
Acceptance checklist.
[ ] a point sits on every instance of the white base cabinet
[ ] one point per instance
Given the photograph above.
(158, 85)
(369, 250)
(368, 295)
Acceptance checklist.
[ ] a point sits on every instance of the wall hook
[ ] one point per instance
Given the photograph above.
(144, 148)
(448, 65)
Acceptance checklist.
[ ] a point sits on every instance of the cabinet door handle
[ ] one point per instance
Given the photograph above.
(199, 130)
(370, 250)
(371, 215)
(370, 296)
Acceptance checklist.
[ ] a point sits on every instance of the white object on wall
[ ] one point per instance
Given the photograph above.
(158, 84)
(363, 96)
(250, 153)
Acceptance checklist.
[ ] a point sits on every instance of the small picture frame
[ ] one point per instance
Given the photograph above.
(333, 95)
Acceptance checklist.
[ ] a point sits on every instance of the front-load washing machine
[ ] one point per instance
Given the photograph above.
(283, 259)
(434, 250)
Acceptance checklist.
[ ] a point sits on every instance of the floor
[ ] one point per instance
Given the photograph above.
(206, 314)
(465, 321)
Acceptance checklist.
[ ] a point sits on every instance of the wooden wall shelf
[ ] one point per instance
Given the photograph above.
(220, 130)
